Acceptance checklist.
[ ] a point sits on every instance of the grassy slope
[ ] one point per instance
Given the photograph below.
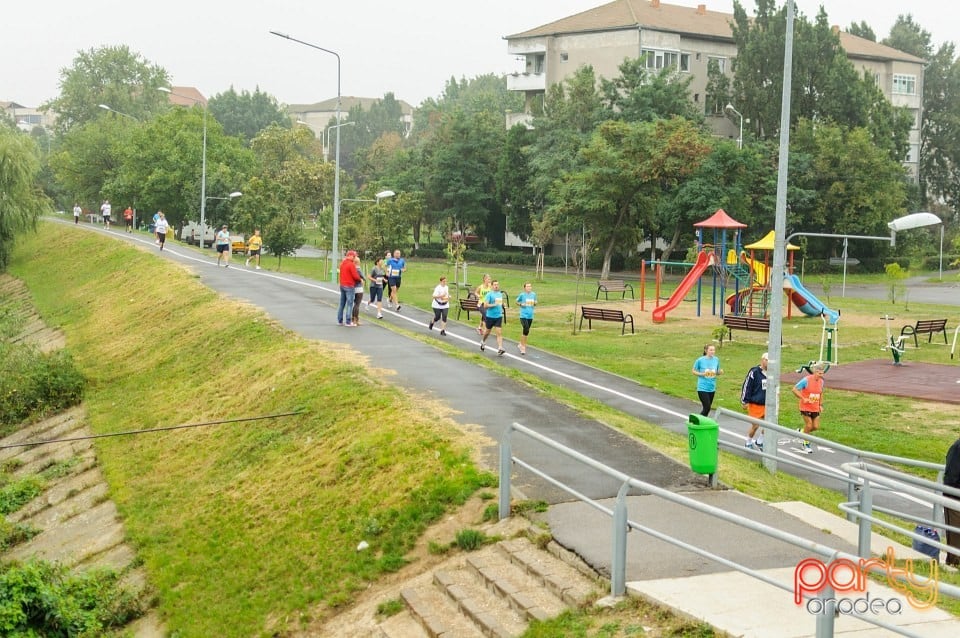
(242, 527)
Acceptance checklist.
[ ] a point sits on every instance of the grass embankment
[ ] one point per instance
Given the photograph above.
(245, 527)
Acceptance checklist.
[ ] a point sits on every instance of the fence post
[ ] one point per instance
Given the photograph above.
(506, 465)
(866, 507)
(852, 491)
(618, 562)
(825, 618)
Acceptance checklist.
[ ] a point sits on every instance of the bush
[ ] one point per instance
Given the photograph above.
(44, 599)
(33, 384)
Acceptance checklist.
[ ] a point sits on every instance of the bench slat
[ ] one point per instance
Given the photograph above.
(606, 314)
(606, 286)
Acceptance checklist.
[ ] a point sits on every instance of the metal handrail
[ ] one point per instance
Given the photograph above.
(622, 524)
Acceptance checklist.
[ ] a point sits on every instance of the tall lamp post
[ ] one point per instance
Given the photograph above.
(732, 111)
(203, 165)
(336, 177)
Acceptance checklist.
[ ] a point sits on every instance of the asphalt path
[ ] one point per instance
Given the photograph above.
(487, 401)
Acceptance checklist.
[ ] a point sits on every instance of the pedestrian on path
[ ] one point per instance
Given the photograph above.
(707, 369)
(77, 211)
(951, 478)
(222, 242)
(396, 266)
(128, 219)
(809, 390)
(527, 300)
(753, 397)
(378, 277)
(493, 319)
(348, 283)
(486, 285)
(357, 292)
(162, 226)
(105, 213)
(440, 305)
(254, 245)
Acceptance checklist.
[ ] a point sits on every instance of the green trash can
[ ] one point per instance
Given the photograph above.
(702, 436)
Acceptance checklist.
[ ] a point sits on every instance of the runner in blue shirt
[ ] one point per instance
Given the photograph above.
(707, 369)
(527, 300)
(396, 266)
(493, 319)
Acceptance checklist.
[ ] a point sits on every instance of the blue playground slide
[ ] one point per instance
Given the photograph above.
(807, 302)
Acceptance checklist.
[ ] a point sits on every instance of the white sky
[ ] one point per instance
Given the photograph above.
(410, 48)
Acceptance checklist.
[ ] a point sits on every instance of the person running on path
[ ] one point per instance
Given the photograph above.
(951, 478)
(348, 283)
(707, 369)
(440, 305)
(77, 211)
(493, 319)
(162, 226)
(378, 277)
(357, 293)
(486, 285)
(105, 213)
(395, 269)
(254, 244)
(527, 300)
(810, 392)
(128, 219)
(222, 242)
(753, 397)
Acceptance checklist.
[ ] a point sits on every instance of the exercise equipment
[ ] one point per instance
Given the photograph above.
(894, 343)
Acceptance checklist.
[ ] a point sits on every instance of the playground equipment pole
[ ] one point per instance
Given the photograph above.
(774, 348)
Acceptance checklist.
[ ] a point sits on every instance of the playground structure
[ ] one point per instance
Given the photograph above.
(953, 348)
(895, 343)
(731, 268)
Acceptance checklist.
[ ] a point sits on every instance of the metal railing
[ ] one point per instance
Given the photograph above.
(621, 524)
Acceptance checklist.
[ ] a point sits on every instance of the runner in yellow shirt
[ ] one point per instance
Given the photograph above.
(253, 247)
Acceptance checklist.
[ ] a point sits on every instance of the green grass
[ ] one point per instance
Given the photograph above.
(244, 529)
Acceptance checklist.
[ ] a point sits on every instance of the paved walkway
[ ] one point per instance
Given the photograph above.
(487, 401)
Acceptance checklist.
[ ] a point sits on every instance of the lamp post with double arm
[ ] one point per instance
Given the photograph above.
(336, 177)
(732, 111)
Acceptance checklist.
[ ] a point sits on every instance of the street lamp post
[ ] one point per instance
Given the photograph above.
(336, 178)
(203, 165)
(107, 108)
(325, 138)
(135, 119)
(729, 109)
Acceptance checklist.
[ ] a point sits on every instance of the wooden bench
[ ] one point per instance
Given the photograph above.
(606, 286)
(925, 326)
(605, 314)
(472, 304)
(751, 324)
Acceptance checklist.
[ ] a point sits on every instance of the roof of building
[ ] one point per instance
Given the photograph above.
(652, 14)
(347, 102)
(186, 96)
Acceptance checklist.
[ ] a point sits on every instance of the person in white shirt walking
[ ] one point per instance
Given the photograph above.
(441, 306)
(222, 242)
(161, 228)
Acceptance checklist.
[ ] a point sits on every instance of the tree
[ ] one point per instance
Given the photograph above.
(862, 30)
(940, 142)
(907, 36)
(21, 201)
(514, 182)
(115, 76)
(88, 157)
(626, 169)
(245, 114)
(636, 95)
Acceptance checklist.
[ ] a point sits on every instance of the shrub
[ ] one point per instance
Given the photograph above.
(44, 599)
(470, 539)
(33, 383)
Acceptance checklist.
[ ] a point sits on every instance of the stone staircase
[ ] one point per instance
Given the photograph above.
(494, 592)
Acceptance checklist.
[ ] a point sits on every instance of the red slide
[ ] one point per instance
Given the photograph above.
(704, 259)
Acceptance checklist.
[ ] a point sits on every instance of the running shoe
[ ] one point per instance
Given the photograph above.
(430, 326)
(806, 448)
(482, 347)
(500, 352)
(443, 333)
(749, 445)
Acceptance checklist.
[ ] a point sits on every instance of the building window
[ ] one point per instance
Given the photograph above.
(721, 63)
(685, 62)
(905, 84)
(657, 60)
(564, 56)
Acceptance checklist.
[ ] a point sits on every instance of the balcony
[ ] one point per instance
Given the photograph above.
(527, 82)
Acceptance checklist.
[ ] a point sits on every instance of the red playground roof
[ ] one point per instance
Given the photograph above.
(720, 219)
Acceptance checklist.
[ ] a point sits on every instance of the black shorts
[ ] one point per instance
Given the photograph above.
(812, 415)
(254, 253)
(223, 248)
(394, 282)
(492, 322)
(526, 323)
(162, 237)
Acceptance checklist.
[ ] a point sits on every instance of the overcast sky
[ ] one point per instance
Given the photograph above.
(409, 48)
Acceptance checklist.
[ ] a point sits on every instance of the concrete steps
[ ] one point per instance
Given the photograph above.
(494, 592)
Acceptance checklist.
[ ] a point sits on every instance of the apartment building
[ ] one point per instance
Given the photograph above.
(687, 39)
